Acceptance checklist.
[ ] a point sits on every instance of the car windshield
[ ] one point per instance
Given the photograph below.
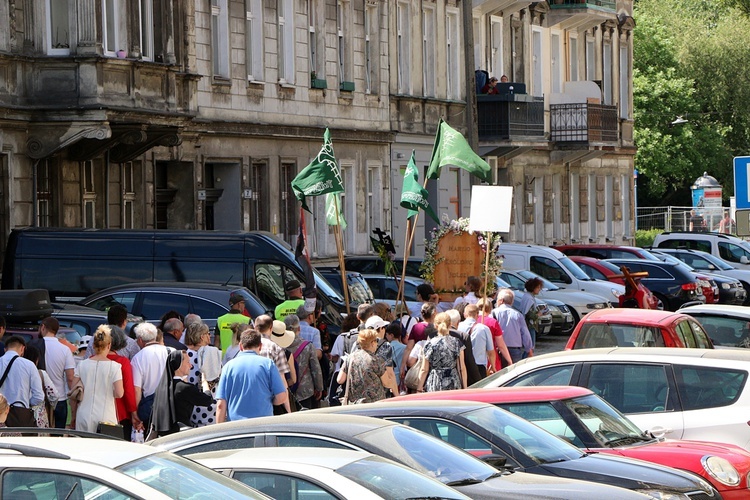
(618, 334)
(610, 427)
(178, 477)
(325, 287)
(546, 284)
(722, 265)
(573, 269)
(427, 454)
(522, 435)
(390, 480)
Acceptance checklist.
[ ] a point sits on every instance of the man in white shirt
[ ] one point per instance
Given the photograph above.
(481, 339)
(148, 367)
(23, 383)
(60, 367)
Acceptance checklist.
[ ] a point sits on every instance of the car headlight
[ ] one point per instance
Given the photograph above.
(662, 495)
(598, 305)
(552, 308)
(725, 286)
(721, 470)
(564, 309)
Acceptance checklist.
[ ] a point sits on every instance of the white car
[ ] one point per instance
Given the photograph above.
(728, 326)
(700, 394)
(323, 473)
(96, 468)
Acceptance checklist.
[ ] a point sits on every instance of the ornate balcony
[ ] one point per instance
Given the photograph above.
(580, 14)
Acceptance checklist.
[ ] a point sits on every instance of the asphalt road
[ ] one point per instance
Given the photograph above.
(550, 343)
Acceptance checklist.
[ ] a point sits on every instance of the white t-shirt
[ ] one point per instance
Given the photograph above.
(148, 367)
(417, 349)
(58, 358)
(338, 350)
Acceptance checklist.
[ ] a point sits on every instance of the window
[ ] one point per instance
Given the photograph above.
(220, 38)
(607, 71)
(556, 63)
(428, 50)
(146, 15)
(453, 53)
(537, 57)
(590, 59)
(343, 31)
(126, 299)
(269, 282)
(207, 309)
(309, 442)
(254, 39)
(155, 304)
(553, 375)
(547, 417)
(44, 193)
(113, 26)
(89, 194)
(348, 205)
(692, 335)
(573, 58)
(288, 209)
(372, 51)
(285, 34)
(731, 252)
(403, 48)
(708, 387)
(258, 202)
(128, 196)
(451, 433)
(374, 198)
(56, 486)
(654, 272)
(496, 45)
(549, 269)
(58, 27)
(277, 485)
(631, 388)
(230, 443)
(624, 82)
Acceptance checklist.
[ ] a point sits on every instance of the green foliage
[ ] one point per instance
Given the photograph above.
(645, 237)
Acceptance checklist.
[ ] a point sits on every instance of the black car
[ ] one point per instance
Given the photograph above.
(372, 264)
(85, 320)
(674, 285)
(359, 290)
(483, 430)
(403, 444)
(151, 300)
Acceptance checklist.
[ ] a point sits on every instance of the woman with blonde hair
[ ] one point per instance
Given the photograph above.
(443, 365)
(101, 379)
(365, 373)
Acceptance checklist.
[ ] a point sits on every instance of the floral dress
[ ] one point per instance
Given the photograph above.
(50, 398)
(363, 371)
(442, 353)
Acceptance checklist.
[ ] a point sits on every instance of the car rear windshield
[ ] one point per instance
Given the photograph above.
(708, 387)
(618, 334)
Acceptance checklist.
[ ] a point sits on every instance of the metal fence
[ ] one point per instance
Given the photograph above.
(677, 218)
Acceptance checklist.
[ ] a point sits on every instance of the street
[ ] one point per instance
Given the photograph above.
(550, 343)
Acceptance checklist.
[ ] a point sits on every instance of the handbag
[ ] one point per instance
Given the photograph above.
(18, 415)
(113, 430)
(411, 379)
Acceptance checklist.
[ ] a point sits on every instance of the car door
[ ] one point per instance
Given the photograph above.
(645, 392)
(284, 484)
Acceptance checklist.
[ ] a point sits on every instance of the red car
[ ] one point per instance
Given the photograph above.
(638, 328)
(606, 271)
(581, 417)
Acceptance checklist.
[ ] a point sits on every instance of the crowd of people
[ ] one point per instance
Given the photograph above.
(156, 379)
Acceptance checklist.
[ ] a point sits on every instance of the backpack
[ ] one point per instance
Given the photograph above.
(296, 354)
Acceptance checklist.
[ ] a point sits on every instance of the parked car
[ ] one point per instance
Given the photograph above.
(358, 289)
(729, 248)
(638, 328)
(705, 262)
(584, 419)
(606, 252)
(708, 283)
(699, 394)
(151, 300)
(728, 326)
(400, 443)
(95, 468)
(485, 430)
(670, 283)
(324, 473)
(579, 303)
(603, 270)
(23, 310)
(373, 264)
(85, 320)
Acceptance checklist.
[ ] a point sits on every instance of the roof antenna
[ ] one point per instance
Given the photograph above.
(228, 280)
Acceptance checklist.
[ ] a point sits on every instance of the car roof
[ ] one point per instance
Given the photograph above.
(720, 309)
(173, 285)
(457, 406)
(333, 425)
(111, 453)
(635, 316)
(413, 279)
(518, 394)
(329, 458)
(618, 247)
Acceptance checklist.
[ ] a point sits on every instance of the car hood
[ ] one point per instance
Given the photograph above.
(536, 487)
(572, 297)
(628, 473)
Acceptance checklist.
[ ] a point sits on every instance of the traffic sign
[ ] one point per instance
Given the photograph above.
(742, 181)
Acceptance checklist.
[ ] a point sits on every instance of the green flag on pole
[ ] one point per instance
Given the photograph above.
(413, 195)
(451, 148)
(321, 176)
(333, 200)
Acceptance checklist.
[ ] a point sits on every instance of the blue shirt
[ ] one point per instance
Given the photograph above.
(481, 339)
(23, 383)
(311, 334)
(515, 332)
(248, 384)
(398, 354)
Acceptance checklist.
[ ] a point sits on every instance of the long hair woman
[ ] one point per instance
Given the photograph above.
(443, 365)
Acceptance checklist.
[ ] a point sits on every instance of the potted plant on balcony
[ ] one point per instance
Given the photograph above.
(317, 83)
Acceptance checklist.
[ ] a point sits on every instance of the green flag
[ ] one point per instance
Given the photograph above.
(413, 195)
(321, 176)
(333, 200)
(451, 148)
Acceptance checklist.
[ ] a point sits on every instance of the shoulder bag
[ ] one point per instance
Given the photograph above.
(411, 379)
(19, 415)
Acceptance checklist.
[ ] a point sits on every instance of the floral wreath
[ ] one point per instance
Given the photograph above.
(459, 226)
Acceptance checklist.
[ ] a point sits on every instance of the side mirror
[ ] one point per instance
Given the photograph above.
(495, 460)
(744, 260)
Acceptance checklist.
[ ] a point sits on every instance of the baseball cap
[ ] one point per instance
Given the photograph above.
(291, 285)
(84, 342)
(236, 298)
(375, 322)
(281, 335)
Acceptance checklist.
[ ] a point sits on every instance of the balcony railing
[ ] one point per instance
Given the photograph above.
(508, 117)
(583, 123)
(572, 4)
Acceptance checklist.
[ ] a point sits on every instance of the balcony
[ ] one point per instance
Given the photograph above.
(518, 117)
(580, 14)
(583, 122)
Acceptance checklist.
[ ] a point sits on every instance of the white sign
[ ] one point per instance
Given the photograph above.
(490, 208)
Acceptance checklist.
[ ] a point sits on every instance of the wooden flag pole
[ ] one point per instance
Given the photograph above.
(399, 294)
(340, 252)
(407, 248)
(488, 239)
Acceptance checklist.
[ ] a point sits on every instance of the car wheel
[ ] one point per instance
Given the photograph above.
(664, 302)
(576, 319)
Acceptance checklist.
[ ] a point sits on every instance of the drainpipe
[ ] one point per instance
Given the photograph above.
(34, 200)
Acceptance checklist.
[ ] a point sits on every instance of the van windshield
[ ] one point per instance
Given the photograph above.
(573, 269)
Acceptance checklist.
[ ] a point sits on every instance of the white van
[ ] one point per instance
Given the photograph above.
(724, 246)
(557, 268)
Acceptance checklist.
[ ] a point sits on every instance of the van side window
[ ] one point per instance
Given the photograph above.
(549, 269)
(732, 252)
(269, 282)
(703, 246)
(199, 270)
(126, 299)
